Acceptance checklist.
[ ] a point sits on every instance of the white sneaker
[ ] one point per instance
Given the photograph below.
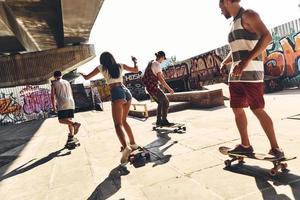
(134, 146)
(125, 154)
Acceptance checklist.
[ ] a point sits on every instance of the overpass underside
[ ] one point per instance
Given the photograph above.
(38, 37)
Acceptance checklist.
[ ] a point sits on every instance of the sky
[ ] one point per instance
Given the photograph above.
(180, 28)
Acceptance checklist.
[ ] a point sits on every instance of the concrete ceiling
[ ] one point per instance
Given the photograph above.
(37, 25)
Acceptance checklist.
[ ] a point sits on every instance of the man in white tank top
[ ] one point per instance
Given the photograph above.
(63, 103)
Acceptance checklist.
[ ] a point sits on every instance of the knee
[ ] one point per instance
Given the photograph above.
(118, 125)
(258, 111)
(166, 103)
(238, 111)
(124, 121)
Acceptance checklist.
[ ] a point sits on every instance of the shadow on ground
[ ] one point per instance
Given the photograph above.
(110, 185)
(13, 139)
(262, 179)
(26, 167)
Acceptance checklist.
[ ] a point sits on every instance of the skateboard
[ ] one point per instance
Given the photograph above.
(72, 144)
(139, 157)
(176, 127)
(279, 164)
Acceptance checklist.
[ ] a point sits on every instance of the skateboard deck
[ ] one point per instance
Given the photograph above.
(177, 127)
(73, 144)
(278, 163)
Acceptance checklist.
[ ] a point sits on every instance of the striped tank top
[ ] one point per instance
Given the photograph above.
(241, 42)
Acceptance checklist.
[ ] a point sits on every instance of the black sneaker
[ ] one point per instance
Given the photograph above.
(277, 153)
(239, 149)
(158, 122)
(165, 122)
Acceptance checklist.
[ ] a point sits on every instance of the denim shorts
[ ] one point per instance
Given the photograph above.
(120, 92)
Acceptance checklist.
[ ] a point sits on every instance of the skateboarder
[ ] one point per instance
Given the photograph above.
(247, 39)
(120, 97)
(63, 102)
(152, 76)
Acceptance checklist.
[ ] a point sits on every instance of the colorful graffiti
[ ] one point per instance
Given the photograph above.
(24, 103)
(198, 71)
(282, 60)
(36, 100)
(175, 71)
(282, 57)
(134, 83)
(10, 109)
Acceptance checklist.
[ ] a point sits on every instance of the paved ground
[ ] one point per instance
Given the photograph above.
(185, 166)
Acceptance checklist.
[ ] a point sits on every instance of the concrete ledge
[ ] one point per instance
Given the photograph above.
(201, 98)
(148, 109)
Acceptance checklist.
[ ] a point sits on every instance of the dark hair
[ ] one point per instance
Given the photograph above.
(57, 74)
(110, 65)
(160, 54)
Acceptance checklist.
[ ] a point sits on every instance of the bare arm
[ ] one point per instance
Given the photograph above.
(91, 74)
(135, 68)
(53, 98)
(253, 23)
(227, 60)
(163, 82)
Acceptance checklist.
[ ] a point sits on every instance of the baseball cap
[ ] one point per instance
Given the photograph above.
(160, 54)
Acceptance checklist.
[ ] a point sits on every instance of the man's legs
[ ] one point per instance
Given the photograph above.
(70, 123)
(241, 123)
(164, 101)
(267, 124)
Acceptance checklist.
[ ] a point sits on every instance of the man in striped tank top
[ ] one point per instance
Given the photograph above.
(248, 37)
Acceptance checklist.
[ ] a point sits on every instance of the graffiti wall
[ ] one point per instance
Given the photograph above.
(196, 71)
(24, 103)
(134, 83)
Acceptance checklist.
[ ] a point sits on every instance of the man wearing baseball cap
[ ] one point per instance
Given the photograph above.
(152, 76)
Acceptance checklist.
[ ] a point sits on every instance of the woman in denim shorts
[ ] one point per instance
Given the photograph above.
(120, 97)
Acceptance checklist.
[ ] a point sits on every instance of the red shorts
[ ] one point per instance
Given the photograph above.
(244, 94)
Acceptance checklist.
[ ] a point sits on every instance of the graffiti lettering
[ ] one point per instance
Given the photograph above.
(176, 71)
(283, 59)
(10, 109)
(36, 100)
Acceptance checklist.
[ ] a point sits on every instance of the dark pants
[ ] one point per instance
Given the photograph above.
(163, 104)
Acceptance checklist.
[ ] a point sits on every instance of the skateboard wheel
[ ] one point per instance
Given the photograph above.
(184, 128)
(176, 130)
(227, 163)
(273, 172)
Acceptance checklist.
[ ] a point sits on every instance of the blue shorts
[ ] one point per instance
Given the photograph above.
(120, 92)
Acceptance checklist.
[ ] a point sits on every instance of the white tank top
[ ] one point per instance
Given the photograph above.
(63, 94)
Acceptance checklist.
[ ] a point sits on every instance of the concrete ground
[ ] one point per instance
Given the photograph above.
(34, 164)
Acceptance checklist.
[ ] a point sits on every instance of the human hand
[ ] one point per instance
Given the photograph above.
(134, 59)
(239, 67)
(223, 69)
(171, 91)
